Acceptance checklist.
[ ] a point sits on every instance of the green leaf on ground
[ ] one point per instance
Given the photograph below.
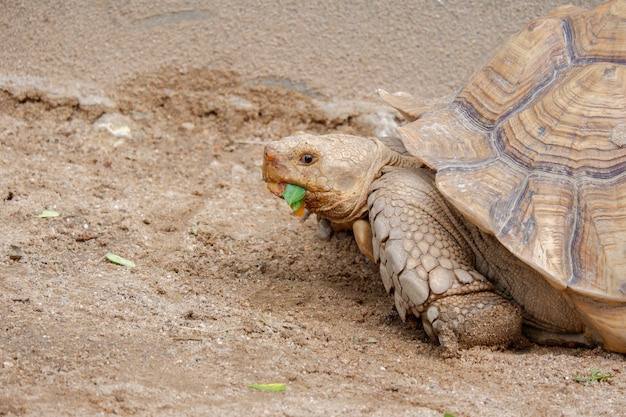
(48, 213)
(268, 387)
(594, 375)
(116, 259)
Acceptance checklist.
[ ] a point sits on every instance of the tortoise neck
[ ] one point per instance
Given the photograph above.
(398, 160)
(390, 157)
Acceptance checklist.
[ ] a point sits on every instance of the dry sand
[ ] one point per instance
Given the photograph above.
(229, 288)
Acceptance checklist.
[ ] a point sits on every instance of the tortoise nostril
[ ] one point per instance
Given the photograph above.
(268, 156)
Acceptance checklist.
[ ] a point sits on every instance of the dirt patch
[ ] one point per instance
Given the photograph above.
(229, 288)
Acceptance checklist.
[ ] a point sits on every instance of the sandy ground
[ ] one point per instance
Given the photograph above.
(142, 125)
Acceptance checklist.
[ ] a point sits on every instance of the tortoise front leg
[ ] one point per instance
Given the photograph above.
(419, 241)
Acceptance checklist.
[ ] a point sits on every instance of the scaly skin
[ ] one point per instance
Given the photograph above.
(467, 289)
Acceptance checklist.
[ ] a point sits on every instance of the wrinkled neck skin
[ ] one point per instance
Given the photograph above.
(343, 208)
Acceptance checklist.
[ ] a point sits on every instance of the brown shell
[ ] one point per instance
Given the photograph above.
(533, 148)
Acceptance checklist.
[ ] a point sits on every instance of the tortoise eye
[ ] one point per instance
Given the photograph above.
(306, 159)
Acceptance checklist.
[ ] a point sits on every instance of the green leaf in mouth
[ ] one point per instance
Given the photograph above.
(293, 195)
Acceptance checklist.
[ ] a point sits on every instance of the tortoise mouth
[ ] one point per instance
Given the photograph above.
(271, 174)
(276, 188)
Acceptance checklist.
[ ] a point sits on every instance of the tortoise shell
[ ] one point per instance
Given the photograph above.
(533, 148)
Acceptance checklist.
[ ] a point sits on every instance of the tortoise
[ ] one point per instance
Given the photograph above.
(500, 211)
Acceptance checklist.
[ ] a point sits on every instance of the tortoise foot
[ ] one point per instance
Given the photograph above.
(462, 321)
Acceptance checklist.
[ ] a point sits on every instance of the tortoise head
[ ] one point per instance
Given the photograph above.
(336, 171)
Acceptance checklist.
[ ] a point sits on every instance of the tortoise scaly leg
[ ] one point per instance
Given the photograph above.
(418, 240)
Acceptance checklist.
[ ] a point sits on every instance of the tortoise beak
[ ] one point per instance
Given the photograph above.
(272, 168)
(276, 188)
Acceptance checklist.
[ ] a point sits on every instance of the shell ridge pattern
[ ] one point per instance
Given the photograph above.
(468, 178)
(598, 240)
(577, 263)
(532, 95)
(604, 24)
(502, 211)
(572, 54)
(551, 158)
(470, 114)
(512, 78)
(525, 228)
